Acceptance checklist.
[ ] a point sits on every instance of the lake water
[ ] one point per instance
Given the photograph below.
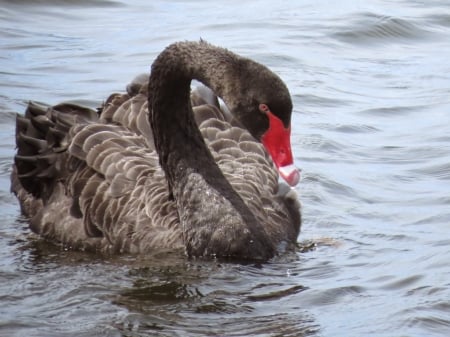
(370, 81)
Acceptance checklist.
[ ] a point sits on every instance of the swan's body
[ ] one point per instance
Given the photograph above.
(94, 180)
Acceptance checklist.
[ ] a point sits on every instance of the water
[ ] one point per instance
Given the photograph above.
(371, 88)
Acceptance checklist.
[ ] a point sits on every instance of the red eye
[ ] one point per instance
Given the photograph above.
(264, 108)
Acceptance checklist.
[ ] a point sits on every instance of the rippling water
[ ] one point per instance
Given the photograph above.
(371, 130)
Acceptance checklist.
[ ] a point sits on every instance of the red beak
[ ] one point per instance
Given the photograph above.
(277, 141)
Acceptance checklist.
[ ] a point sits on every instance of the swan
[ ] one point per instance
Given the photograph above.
(161, 168)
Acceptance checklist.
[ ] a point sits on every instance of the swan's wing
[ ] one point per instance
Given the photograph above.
(82, 179)
(38, 176)
(121, 191)
(130, 112)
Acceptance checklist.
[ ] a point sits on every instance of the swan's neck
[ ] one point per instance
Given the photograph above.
(215, 219)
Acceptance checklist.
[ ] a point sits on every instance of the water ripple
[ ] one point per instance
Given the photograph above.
(369, 28)
(276, 294)
(402, 283)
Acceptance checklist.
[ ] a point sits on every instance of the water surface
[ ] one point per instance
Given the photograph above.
(371, 131)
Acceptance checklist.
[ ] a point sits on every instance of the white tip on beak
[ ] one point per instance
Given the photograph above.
(290, 173)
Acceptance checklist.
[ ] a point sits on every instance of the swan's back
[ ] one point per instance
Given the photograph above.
(92, 180)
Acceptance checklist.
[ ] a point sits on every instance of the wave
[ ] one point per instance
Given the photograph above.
(368, 28)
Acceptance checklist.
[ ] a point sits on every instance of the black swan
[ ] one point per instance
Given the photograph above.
(161, 168)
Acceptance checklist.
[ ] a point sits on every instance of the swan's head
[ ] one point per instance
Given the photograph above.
(264, 106)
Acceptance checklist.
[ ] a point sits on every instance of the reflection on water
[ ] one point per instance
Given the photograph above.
(371, 92)
(172, 298)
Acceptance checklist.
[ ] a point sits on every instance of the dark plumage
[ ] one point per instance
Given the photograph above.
(94, 180)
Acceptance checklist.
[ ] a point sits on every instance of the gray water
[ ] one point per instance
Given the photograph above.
(370, 82)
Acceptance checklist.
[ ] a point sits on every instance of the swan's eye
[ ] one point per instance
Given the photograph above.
(264, 108)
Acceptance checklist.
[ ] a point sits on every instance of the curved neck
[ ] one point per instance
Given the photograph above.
(188, 164)
(177, 137)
